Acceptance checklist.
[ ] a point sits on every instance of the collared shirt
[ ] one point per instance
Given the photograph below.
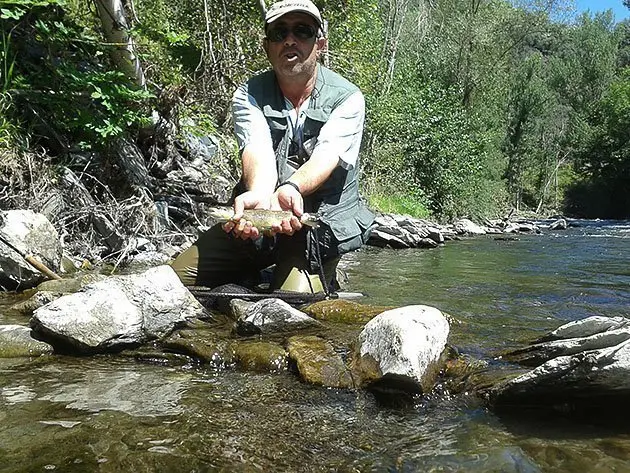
(340, 135)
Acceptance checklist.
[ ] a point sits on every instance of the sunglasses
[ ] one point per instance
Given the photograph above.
(300, 31)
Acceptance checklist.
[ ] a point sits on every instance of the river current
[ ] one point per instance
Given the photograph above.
(114, 414)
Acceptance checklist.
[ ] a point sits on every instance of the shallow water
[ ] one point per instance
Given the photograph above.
(114, 414)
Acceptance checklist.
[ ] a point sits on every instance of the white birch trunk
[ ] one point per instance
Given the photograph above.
(112, 15)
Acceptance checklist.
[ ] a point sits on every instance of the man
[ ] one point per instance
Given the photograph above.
(299, 129)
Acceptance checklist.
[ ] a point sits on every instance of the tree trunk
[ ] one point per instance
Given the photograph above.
(112, 15)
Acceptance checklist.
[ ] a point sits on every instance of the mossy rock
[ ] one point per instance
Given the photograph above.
(202, 345)
(318, 363)
(343, 311)
(70, 285)
(30, 305)
(16, 342)
(261, 356)
(53, 289)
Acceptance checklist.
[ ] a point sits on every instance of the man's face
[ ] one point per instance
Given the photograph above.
(295, 54)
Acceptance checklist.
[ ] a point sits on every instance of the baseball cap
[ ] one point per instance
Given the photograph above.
(283, 7)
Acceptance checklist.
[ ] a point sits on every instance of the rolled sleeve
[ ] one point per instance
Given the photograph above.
(341, 134)
(250, 125)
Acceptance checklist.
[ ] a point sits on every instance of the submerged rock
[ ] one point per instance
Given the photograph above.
(401, 348)
(339, 310)
(117, 312)
(202, 345)
(16, 341)
(318, 363)
(261, 356)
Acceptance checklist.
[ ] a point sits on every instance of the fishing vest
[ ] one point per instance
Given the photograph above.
(337, 201)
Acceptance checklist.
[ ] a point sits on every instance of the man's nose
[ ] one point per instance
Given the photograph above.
(290, 39)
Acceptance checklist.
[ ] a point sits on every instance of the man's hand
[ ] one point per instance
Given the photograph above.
(240, 227)
(287, 197)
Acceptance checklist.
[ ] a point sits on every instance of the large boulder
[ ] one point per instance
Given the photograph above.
(117, 312)
(32, 235)
(402, 348)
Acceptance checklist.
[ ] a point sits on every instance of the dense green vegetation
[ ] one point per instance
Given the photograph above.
(474, 106)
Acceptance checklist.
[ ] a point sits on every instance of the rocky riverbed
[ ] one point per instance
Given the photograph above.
(151, 316)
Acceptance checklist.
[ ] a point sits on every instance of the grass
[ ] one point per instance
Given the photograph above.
(398, 204)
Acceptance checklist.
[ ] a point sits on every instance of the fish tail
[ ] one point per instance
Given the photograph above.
(310, 220)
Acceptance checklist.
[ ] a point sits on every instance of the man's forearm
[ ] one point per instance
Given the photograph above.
(259, 171)
(313, 173)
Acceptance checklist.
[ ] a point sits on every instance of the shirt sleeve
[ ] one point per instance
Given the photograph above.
(250, 125)
(341, 134)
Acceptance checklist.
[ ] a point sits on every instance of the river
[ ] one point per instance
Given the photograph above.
(113, 414)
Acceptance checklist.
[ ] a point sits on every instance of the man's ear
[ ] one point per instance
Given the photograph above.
(322, 45)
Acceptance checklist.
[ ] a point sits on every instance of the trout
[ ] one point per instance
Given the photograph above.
(263, 220)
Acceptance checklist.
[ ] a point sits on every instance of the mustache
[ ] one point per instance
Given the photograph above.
(291, 49)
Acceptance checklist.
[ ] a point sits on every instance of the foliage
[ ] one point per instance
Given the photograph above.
(605, 157)
(59, 80)
(472, 105)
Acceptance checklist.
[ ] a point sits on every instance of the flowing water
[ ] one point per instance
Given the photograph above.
(112, 414)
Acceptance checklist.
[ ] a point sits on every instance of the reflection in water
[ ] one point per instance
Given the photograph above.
(137, 393)
(113, 414)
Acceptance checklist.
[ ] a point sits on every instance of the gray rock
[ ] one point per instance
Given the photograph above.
(521, 227)
(582, 378)
(385, 236)
(402, 347)
(590, 370)
(465, 226)
(117, 312)
(53, 289)
(403, 231)
(274, 316)
(16, 341)
(37, 300)
(238, 308)
(577, 337)
(560, 224)
(586, 327)
(32, 234)
(147, 259)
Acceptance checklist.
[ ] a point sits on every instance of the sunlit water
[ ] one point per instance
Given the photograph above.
(112, 414)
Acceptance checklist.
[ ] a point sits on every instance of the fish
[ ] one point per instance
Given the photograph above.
(262, 219)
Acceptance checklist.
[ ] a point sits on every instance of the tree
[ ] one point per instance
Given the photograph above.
(114, 24)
